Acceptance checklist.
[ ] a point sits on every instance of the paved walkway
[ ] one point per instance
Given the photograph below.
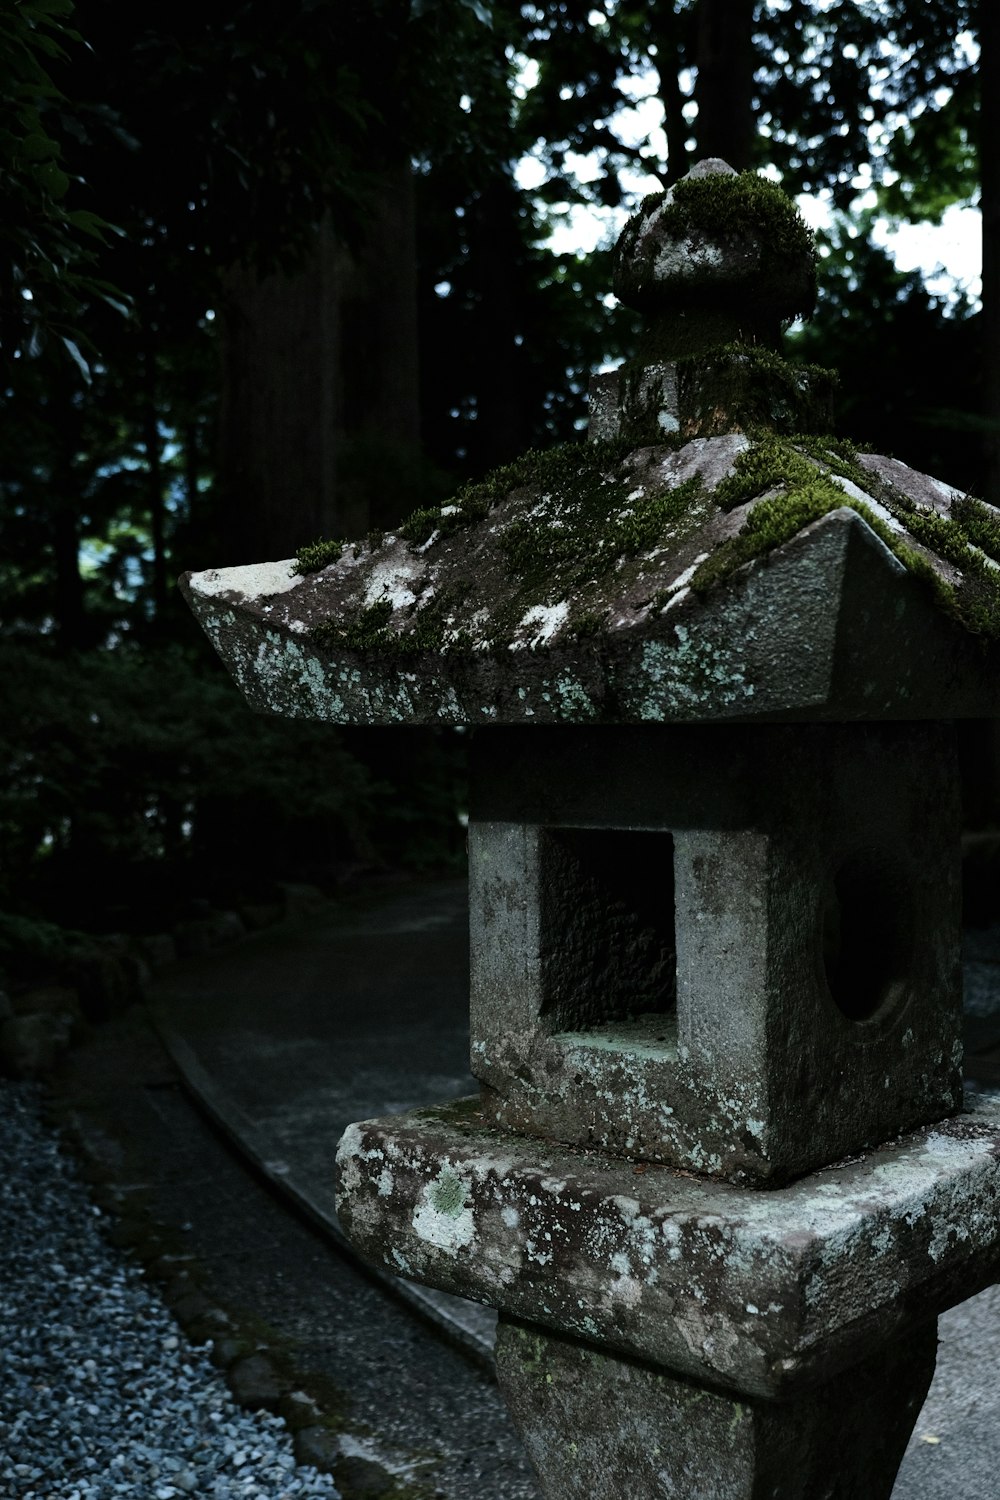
(362, 1011)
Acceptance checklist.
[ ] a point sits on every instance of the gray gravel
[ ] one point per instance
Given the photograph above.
(101, 1395)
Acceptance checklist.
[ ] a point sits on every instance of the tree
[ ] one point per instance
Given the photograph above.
(989, 134)
(47, 248)
(349, 212)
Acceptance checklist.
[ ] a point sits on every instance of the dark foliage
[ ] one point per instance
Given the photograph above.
(224, 141)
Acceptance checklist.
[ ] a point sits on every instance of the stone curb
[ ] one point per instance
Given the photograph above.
(468, 1325)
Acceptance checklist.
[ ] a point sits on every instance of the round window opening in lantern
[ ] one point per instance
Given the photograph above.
(867, 935)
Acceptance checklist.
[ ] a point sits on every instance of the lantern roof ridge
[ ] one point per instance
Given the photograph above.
(725, 576)
(710, 552)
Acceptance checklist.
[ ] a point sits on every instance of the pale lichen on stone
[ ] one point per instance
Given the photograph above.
(629, 571)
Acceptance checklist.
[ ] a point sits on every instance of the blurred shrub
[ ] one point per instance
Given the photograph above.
(138, 782)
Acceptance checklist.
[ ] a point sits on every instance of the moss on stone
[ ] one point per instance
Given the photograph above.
(773, 521)
(770, 462)
(741, 386)
(585, 626)
(586, 518)
(467, 1110)
(437, 521)
(979, 524)
(317, 555)
(473, 501)
(364, 631)
(421, 627)
(574, 518)
(740, 207)
(732, 387)
(774, 460)
(592, 524)
(800, 473)
(728, 210)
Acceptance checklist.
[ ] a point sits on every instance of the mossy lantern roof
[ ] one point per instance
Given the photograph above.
(714, 554)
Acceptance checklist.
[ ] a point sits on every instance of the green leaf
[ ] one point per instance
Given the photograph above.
(38, 147)
(112, 297)
(48, 46)
(46, 8)
(53, 179)
(73, 350)
(88, 223)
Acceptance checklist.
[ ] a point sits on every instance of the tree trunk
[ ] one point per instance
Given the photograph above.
(724, 86)
(989, 156)
(319, 387)
(378, 373)
(501, 430)
(666, 24)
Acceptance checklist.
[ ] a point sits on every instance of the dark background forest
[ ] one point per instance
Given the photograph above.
(266, 275)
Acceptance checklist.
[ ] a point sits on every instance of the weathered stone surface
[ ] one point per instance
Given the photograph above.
(362, 1479)
(829, 625)
(298, 1410)
(927, 493)
(761, 1293)
(194, 1308)
(48, 999)
(157, 948)
(741, 957)
(735, 387)
(589, 1419)
(723, 241)
(31, 1044)
(225, 1351)
(728, 946)
(318, 1446)
(254, 1383)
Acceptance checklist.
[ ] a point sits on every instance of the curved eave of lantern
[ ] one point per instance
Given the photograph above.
(629, 597)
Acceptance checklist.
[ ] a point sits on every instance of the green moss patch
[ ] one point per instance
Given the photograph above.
(578, 515)
(746, 386)
(726, 210)
(370, 628)
(979, 524)
(593, 525)
(317, 555)
(739, 207)
(568, 538)
(804, 493)
(474, 501)
(732, 387)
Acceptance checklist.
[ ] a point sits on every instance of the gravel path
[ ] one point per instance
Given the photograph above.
(101, 1396)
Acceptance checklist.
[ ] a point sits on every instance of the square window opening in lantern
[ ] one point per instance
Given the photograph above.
(608, 951)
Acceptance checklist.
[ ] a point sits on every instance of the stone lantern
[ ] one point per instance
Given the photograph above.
(720, 1178)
